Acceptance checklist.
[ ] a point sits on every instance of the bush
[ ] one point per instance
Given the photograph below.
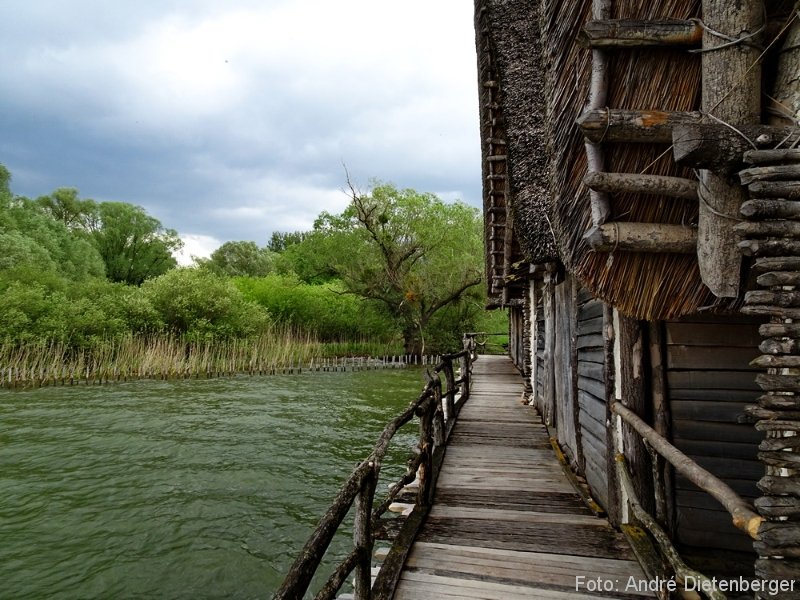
(201, 304)
(324, 310)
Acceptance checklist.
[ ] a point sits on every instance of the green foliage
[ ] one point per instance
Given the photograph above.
(282, 240)
(407, 250)
(201, 304)
(236, 259)
(325, 310)
(134, 246)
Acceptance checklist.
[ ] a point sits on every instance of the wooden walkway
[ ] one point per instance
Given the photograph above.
(506, 523)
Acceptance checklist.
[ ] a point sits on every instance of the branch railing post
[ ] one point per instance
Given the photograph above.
(436, 410)
(363, 535)
(450, 390)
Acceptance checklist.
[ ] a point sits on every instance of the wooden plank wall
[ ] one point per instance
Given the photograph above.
(538, 385)
(565, 364)
(592, 394)
(516, 342)
(709, 382)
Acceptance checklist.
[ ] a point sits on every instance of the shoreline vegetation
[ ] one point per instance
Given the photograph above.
(279, 350)
(90, 292)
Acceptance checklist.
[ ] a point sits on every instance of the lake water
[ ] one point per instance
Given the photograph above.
(181, 489)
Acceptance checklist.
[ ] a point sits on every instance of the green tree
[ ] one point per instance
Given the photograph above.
(408, 250)
(236, 259)
(281, 240)
(201, 304)
(64, 205)
(134, 246)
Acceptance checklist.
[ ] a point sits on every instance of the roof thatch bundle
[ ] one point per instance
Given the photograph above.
(509, 55)
(644, 285)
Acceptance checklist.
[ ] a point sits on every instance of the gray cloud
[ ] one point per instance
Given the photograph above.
(231, 120)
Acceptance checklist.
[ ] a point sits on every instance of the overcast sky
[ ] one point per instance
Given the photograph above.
(229, 119)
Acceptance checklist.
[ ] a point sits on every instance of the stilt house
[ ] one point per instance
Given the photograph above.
(642, 226)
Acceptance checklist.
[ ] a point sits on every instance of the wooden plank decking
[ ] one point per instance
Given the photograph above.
(506, 522)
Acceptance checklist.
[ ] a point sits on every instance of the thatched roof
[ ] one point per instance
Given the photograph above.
(512, 134)
(643, 285)
(530, 47)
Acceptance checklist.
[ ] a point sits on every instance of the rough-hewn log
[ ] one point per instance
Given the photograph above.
(782, 460)
(780, 247)
(618, 183)
(778, 506)
(775, 278)
(771, 311)
(632, 126)
(642, 237)
(775, 346)
(780, 535)
(631, 33)
(731, 93)
(760, 157)
(770, 209)
(772, 361)
(768, 229)
(783, 299)
(760, 412)
(790, 190)
(776, 444)
(718, 148)
(777, 263)
(779, 383)
(771, 173)
(770, 484)
(743, 516)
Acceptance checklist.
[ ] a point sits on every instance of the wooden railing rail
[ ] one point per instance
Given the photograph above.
(437, 409)
(744, 517)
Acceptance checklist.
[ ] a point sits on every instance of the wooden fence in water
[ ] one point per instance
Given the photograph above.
(437, 408)
(88, 373)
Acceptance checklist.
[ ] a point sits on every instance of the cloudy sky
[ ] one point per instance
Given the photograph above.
(229, 119)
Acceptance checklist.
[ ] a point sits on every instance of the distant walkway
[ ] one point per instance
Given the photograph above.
(506, 523)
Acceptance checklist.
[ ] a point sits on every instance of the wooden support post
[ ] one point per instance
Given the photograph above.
(549, 375)
(362, 535)
(631, 33)
(642, 237)
(619, 183)
(732, 94)
(632, 385)
(614, 508)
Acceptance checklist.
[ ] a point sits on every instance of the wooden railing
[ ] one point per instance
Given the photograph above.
(743, 515)
(437, 408)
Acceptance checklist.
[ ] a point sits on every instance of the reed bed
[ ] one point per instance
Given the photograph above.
(276, 351)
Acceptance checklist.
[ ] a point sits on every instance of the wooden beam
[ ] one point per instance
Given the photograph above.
(732, 94)
(633, 126)
(642, 237)
(779, 247)
(633, 33)
(770, 173)
(770, 209)
(760, 157)
(789, 190)
(778, 278)
(763, 229)
(618, 183)
(719, 148)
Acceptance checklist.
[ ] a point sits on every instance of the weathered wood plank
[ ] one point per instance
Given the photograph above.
(506, 522)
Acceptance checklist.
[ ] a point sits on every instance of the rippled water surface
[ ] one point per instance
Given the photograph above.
(180, 489)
